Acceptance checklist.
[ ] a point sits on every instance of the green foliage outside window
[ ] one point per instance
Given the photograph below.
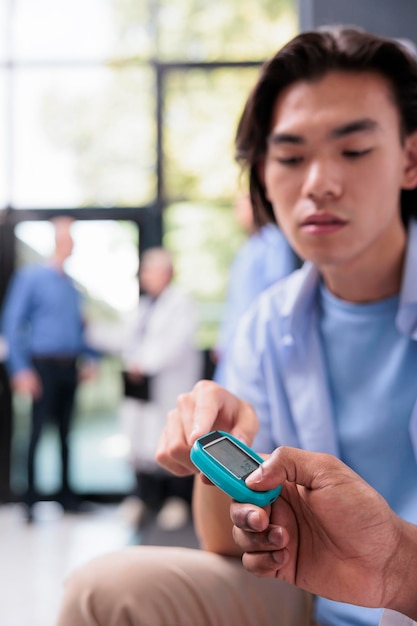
(95, 122)
(204, 30)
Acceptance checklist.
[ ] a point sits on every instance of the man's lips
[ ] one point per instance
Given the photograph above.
(322, 223)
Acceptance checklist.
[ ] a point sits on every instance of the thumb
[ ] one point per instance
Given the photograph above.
(293, 465)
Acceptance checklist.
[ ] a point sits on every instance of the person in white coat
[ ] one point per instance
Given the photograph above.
(161, 360)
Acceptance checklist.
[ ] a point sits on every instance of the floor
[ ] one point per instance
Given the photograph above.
(35, 558)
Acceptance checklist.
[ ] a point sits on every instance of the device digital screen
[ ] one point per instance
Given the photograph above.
(232, 457)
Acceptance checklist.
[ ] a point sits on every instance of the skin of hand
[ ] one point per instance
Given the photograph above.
(135, 374)
(329, 532)
(88, 371)
(207, 407)
(27, 382)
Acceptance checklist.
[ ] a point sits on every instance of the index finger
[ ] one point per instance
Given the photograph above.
(207, 405)
(217, 408)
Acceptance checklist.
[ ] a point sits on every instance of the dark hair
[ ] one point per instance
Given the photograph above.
(310, 56)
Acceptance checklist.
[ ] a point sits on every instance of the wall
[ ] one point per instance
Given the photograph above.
(392, 18)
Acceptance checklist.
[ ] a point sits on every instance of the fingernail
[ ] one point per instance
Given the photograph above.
(275, 536)
(256, 476)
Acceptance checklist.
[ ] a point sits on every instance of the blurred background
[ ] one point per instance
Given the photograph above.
(122, 114)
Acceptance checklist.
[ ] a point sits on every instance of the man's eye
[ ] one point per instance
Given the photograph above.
(355, 154)
(289, 160)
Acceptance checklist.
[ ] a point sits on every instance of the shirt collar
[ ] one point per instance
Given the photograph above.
(407, 312)
(299, 300)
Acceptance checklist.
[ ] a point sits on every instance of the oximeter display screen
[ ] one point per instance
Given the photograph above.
(232, 457)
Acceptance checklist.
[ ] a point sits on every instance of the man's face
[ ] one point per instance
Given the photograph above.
(334, 167)
(154, 277)
(64, 242)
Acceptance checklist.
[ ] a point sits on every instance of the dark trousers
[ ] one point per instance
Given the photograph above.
(59, 383)
(5, 435)
(155, 488)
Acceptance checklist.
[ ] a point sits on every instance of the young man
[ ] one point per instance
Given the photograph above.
(325, 359)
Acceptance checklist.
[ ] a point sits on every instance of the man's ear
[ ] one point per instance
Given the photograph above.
(410, 166)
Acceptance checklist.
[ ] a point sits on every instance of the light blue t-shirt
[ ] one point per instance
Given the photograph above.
(372, 382)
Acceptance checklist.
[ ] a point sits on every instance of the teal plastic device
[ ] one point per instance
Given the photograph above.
(227, 462)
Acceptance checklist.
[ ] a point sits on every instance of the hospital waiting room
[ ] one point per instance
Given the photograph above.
(189, 193)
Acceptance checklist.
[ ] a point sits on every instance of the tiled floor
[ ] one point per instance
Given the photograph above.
(35, 558)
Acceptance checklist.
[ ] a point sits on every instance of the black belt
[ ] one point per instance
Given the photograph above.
(55, 358)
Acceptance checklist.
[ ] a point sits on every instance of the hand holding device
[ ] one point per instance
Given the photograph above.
(227, 462)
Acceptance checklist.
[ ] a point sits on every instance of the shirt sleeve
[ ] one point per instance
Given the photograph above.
(392, 618)
(16, 322)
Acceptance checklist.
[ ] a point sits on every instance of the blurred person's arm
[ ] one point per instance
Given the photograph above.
(15, 328)
(88, 370)
(27, 382)
(16, 320)
(245, 283)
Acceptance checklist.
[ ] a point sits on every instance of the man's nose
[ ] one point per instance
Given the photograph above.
(323, 181)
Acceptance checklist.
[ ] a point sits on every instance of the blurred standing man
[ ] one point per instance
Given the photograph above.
(161, 361)
(44, 329)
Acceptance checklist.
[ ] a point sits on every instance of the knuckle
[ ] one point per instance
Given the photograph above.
(172, 415)
(236, 534)
(182, 401)
(203, 385)
(260, 564)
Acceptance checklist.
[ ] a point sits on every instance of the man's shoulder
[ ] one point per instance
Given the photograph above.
(175, 295)
(284, 300)
(286, 294)
(29, 274)
(269, 238)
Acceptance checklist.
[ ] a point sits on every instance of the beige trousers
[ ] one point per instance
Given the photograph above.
(164, 586)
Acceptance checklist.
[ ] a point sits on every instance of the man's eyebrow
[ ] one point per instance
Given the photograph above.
(277, 138)
(354, 127)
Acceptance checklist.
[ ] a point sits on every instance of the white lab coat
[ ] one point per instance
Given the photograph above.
(166, 350)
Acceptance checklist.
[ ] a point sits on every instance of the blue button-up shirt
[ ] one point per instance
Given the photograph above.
(278, 366)
(264, 258)
(42, 316)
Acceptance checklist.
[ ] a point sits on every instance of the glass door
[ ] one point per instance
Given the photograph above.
(104, 264)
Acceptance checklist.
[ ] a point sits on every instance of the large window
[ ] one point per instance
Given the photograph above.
(124, 111)
(89, 87)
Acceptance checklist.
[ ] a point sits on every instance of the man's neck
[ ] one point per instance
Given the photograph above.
(368, 279)
(368, 287)
(57, 263)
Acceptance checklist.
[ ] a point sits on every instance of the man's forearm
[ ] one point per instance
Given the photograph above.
(212, 519)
